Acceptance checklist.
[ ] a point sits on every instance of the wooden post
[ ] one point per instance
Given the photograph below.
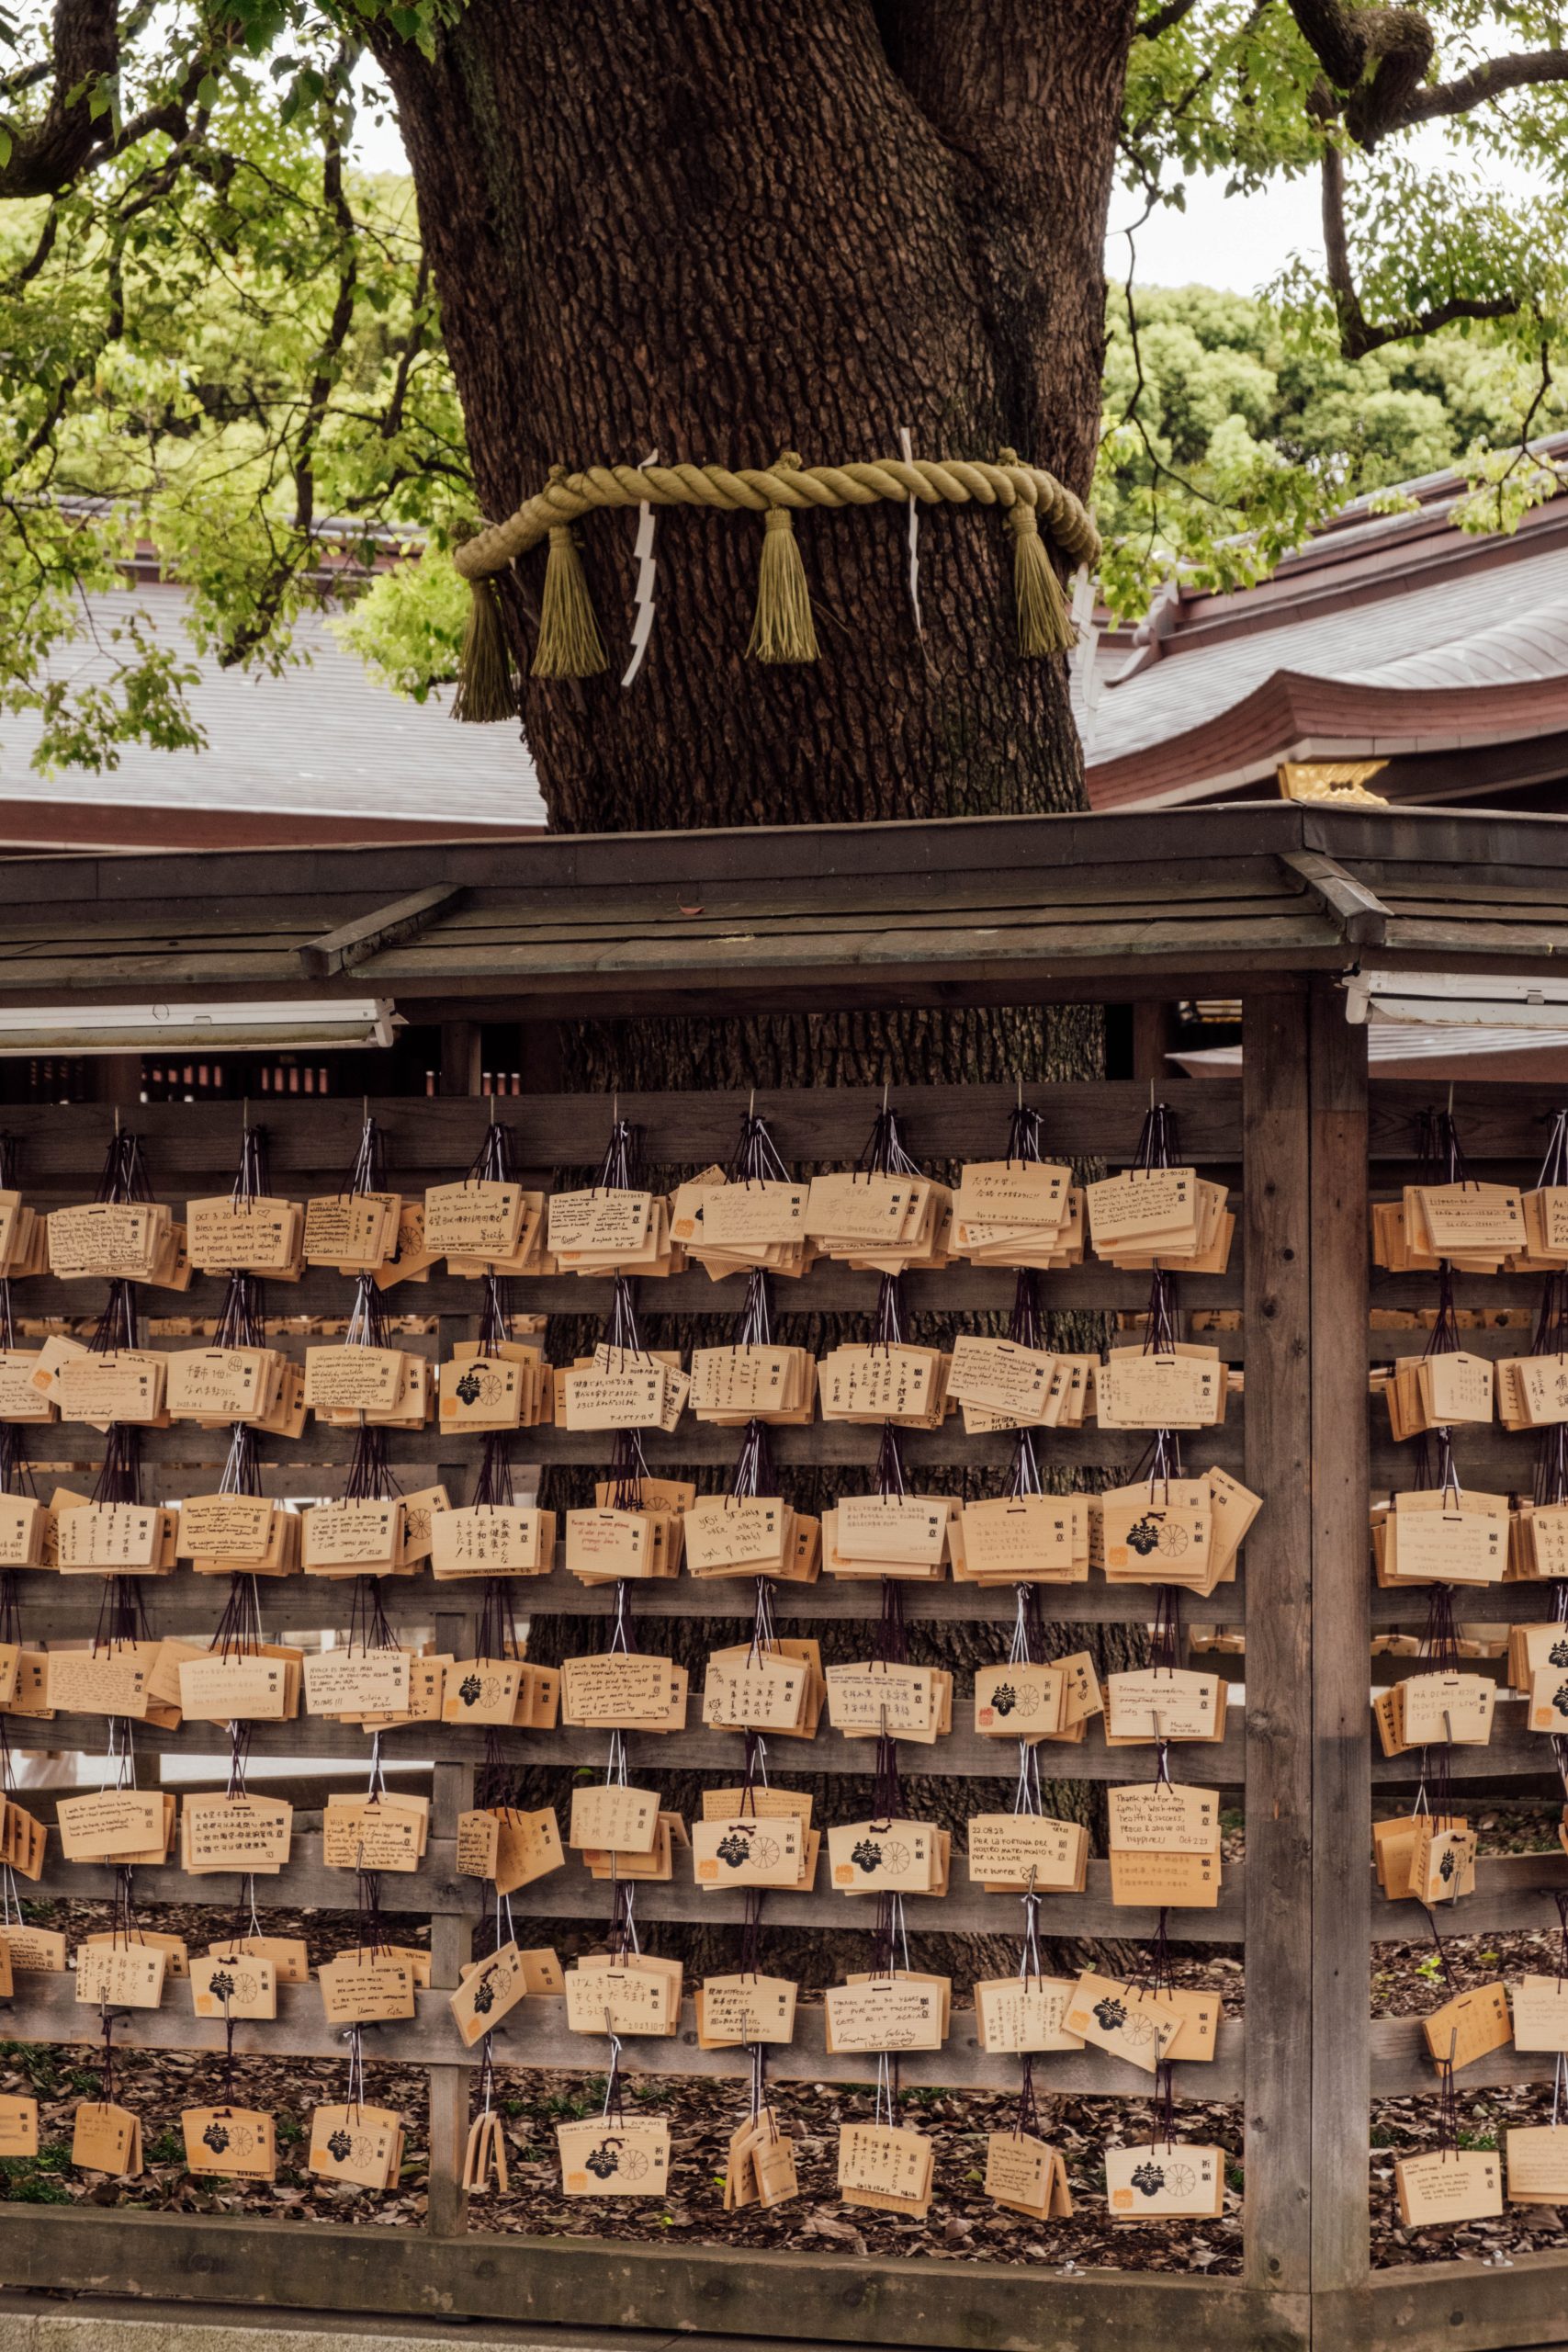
(451, 1935)
(539, 1057)
(117, 1078)
(460, 1049)
(1278, 1617)
(1154, 1031)
(1342, 1649)
(451, 1943)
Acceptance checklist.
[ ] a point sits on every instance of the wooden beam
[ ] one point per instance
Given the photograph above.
(1334, 1227)
(184, 1601)
(1278, 1621)
(430, 1139)
(1449, 2307)
(597, 2284)
(963, 1751)
(537, 2035)
(1361, 912)
(355, 942)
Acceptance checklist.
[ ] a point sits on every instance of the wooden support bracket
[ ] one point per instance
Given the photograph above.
(355, 942)
(1360, 914)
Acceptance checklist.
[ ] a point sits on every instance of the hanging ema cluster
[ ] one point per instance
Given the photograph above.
(1036, 506)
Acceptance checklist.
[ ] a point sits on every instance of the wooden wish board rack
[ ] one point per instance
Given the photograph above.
(1272, 1359)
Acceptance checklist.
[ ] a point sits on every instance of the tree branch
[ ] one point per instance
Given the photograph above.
(26, 77)
(392, 422)
(1357, 335)
(1162, 19)
(36, 258)
(1377, 57)
(1489, 81)
(1336, 40)
(84, 48)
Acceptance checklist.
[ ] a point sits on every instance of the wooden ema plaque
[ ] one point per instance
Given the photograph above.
(1451, 2185)
(616, 2158)
(1164, 2181)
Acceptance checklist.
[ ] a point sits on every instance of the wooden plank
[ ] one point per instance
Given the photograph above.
(1471, 934)
(432, 1136)
(434, 1892)
(1485, 1456)
(1494, 1121)
(1511, 1749)
(1335, 1233)
(963, 1751)
(627, 922)
(959, 1913)
(1512, 1892)
(1419, 844)
(1402, 2065)
(185, 1603)
(1521, 1603)
(1052, 845)
(614, 971)
(1449, 2307)
(1279, 1664)
(834, 1442)
(738, 992)
(754, 2297)
(827, 1288)
(362, 936)
(1102, 884)
(537, 2035)
(429, 1892)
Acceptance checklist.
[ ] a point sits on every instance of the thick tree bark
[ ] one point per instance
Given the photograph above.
(719, 233)
(724, 233)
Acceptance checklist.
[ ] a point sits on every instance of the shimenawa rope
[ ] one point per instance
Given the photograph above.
(1035, 503)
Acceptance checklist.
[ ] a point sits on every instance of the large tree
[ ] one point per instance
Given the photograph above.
(719, 233)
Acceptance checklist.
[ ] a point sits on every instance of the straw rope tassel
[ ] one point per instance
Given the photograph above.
(1037, 507)
(1044, 621)
(569, 643)
(486, 692)
(782, 629)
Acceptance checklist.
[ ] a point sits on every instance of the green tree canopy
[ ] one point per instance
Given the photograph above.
(220, 341)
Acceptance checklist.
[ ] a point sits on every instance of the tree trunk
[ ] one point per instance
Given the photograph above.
(724, 233)
(719, 233)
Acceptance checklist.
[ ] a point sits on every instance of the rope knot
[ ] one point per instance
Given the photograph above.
(556, 474)
(1006, 457)
(789, 461)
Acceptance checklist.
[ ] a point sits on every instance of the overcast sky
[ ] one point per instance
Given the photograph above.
(1236, 243)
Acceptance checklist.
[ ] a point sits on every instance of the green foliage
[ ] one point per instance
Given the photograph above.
(219, 343)
(1249, 426)
(408, 626)
(35, 2180)
(37, 2063)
